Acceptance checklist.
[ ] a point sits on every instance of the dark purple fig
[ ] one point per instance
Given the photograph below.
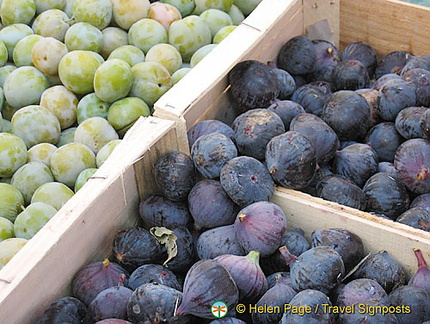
(153, 273)
(421, 201)
(319, 268)
(361, 290)
(246, 273)
(297, 56)
(339, 189)
(417, 61)
(408, 122)
(384, 139)
(277, 277)
(291, 160)
(246, 180)
(210, 152)
(210, 206)
(157, 210)
(349, 245)
(287, 110)
(386, 195)
(363, 52)
(175, 175)
(95, 277)
(260, 226)
(387, 167)
(311, 97)
(315, 305)
(218, 241)
(350, 75)
(414, 300)
(412, 162)
(153, 303)
(392, 62)
(421, 277)
(357, 162)
(328, 56)
(113, 321)
(367, 313)
(279, 295)
(416, 217)
(65, 310)
(207, 282)
(227, 320)
(254, 129)
(186, 253)
(322, 136)
(287, 84)
(253, 84)
(348, 113)
(425, 125)
(206, 127)
(137, 246)
(371, 96)
(382, 268)
(109, 303)
(384, 78)
(394, 95)
(420, 79)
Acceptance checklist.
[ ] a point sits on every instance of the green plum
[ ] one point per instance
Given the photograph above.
(123, 113)
(5, 71)
(27, 80)
(46, 55)
(91, 106)
(146, 33)
(201, 53)
(69, 160)
(32, 219)
(69, 7)
(76, 71)
(202, 5)
(113, 37)
(113, 80)
(95, 132)
(185, 7)
(223, 33)
(54, 193)
(150, 81)
(22, 50)
(35, 124)
(166, 54)
(4, 56)
(29, 177)
(43, 5)
(126, 13)
(9, 248)
(83, 177)
(106, 151)
(128, 53)
(12, 34)
(247, 6)
(52, 23)
(13, 154)
(6, 229)
(236, 15)
(41, 153)
(62, 103)
(96, 12)
(84, 36)
(11, 201)
(17, 11)
(188, 35)
(1, 123)
(8, 111)
(216, 19)
(66, 136)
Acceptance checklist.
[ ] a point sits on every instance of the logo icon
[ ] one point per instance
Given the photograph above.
(219, 309)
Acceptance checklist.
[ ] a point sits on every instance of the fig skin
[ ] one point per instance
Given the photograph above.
(384, 78)
(412, 162)
(297, 56)
(392, 62)
(253, 84)
(384, 139)
(186, 255)
(416, 217)
(260, 227)
(205, 283)
(416, 298)
(227, 320)
(64, 310)
(371, 96)
(387, 167)
(361, 316)
(287, 84)
(425, 125)
(384, 269)
(95, 277)
(287, 110)
(206, 127)
(363, 52)
(328, 56)
(291, 160)
(407, 122)
(113, 321)
(175, 175)
(420, 79)
(312, 98)
(350, 75)
(150, 273)
(361, 290)
(421, 201)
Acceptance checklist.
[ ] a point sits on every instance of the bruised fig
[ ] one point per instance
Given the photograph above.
(207, 282)
(218, 241)
(95, 277)
(150, 273)
(421, 278)
(64, 310)
(297, 56)
(382, 268)
(153, 303)
(253, 84)
(260, 227)
(175, 175)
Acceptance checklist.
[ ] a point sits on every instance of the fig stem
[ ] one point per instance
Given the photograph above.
(105, 262)
(286, 254)
(254, 257)
(420, 258)
(241, 216)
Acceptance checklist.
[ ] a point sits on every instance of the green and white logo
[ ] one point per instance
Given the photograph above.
(219, 309)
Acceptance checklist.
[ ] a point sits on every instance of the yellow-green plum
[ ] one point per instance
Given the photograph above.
(202, 5)
(17, 11)
(164, 13)
(150, 81)
(113, 80)
(35, 124)
(91, 106)
(84, 36)
(32, 219)
(6, 229)
(188, 35)
(3, 54)
(62, 103)
(113, 37)
(13, 154)
(52, 23)
(247, 6)
(201, 53)
(5, 71)
(106, 151)
(69, 160)
(43, 5)
(11, 201)
(66, 136)
(83, 178)
(96, 12)
(46, 55)
(41, 153)
(127, 12)
(216, 19)
(22, 50)
(223, 33)
(146, 33)
(185, 7)
(54, 193)
(236, 15)
(12, 34)
(9, 248)
(166, 54)
(129, 53)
